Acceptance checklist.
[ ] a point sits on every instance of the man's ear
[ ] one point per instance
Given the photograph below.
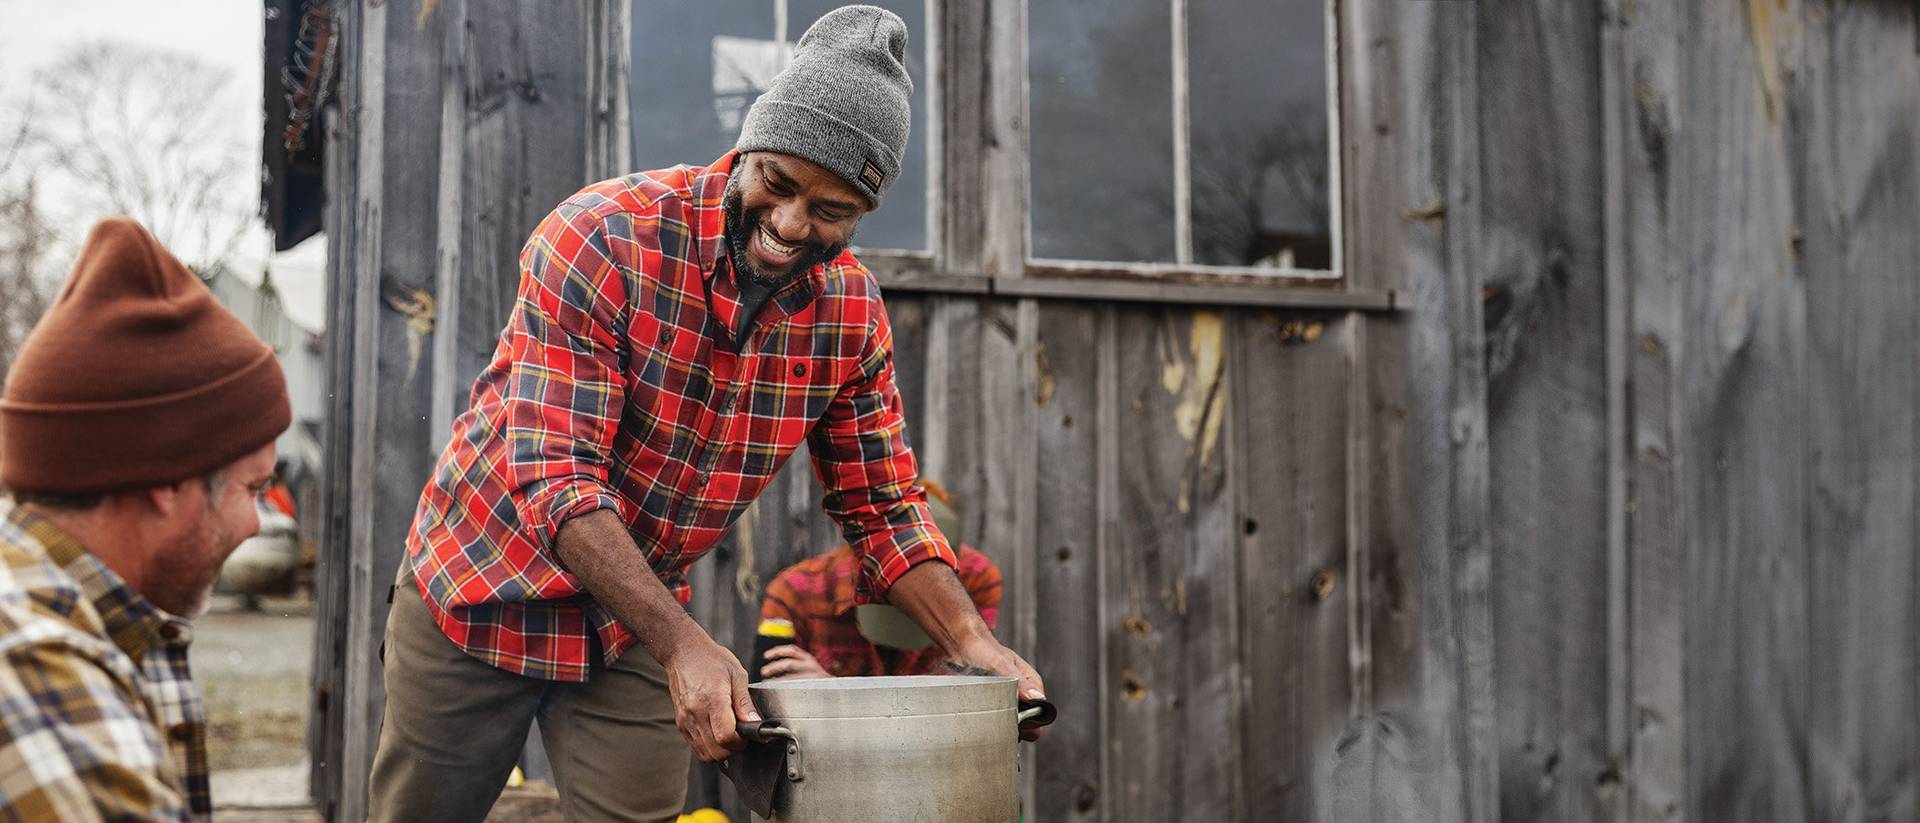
(167, 501)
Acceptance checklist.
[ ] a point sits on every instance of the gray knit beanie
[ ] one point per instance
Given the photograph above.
(842, 102)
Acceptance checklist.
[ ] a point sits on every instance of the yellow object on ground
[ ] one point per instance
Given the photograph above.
(704, 816)
(516, 778)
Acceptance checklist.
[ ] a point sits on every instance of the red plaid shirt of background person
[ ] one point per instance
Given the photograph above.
(817, 596)
(618, 385)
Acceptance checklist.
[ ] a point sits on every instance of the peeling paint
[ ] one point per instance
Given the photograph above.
(1766, 57)
(1137, 626)
(426, 13)
(418, 307)
(1197, 414)
(1433, 212)
(1043, 377)
(1198, 379)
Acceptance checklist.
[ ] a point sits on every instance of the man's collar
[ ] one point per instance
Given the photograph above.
(710, 214)
(131, 621)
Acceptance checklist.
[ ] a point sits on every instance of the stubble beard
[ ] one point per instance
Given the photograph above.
(740, 229)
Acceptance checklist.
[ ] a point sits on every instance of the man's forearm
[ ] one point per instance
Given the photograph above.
(932, 595)
(596, 548)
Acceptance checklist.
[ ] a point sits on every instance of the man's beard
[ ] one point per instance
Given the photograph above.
(740, 230)
(190, 566)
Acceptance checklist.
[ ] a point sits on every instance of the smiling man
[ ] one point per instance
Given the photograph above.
(677, 334)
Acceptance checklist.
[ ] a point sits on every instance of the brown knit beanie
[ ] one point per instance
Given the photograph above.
(136, 377)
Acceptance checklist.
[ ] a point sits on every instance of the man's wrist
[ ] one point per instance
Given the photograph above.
(676, 638)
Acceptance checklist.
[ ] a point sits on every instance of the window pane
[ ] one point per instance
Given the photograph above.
(697, 67)
(1257, 74)
(1100, 102)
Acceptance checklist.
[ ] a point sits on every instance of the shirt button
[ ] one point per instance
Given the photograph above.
(799, 370)
(169, 631)
(180, 732)
(666, 337)
(702, 482)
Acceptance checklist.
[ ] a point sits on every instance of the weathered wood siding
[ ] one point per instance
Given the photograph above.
(1612, 520)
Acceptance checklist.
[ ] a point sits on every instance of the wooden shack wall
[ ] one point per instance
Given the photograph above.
(1612, 520)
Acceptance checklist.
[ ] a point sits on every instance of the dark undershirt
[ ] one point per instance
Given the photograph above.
(753, 296)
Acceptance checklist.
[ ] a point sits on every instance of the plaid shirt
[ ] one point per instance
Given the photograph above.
(817, 596)
(99, 716)
(617, 384)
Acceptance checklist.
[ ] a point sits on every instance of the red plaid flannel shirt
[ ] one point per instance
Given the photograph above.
(617, 384)
(817, 596)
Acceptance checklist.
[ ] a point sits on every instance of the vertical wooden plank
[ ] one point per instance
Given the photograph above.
(1003, 242)
(1170, 576)
(1001, 513)
(1429, 544)
(526, 148)
(394, 266)
(1541, 265)
(1745, 429)
(609, 130)
(962, 122)
(1290, 454)
(326, 718)
(1854, 102)
(1066, 586)
(1643, 111)
(449, 395)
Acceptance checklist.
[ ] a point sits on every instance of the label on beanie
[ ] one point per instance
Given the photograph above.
(870, 177)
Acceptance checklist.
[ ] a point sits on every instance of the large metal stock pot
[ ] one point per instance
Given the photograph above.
(942, 749)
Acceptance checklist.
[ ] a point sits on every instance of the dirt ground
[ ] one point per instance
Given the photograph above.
(253, 668)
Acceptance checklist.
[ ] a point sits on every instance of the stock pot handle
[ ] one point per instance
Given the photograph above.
(1037, 713)
(763, 731)
(772, 753)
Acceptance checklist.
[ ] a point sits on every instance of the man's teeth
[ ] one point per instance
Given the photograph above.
(775, 246)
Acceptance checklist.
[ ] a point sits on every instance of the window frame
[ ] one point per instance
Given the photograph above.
(979, 231)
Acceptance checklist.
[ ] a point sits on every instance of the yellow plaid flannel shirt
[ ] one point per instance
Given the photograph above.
(99, 716)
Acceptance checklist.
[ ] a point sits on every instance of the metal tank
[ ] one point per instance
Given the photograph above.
(934, 748)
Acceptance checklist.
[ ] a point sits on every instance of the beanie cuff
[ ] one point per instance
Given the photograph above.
(106, 447)
(864, 161)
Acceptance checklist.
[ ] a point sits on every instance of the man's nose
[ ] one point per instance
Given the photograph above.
(790, 222)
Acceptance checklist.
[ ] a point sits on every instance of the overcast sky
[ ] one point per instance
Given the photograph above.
(226, 33)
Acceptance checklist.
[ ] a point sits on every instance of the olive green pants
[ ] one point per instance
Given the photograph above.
(454, 727)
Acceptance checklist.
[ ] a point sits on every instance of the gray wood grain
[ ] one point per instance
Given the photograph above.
(525, 149)
(1168, 653)
(1745, 425)
(1068, 635)
(1857, 190)
(1289, 376)
(1541, 264)
(394, 264)
(1643, 107)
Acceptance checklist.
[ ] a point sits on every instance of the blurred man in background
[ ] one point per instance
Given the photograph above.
(812, 607)
(136, 431)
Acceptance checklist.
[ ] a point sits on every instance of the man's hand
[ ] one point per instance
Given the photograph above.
(988, 655)
(791, 662)
(708, 685)
(709, 697)
(931, 595)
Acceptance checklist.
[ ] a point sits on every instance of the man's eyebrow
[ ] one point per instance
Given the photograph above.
(780, 176)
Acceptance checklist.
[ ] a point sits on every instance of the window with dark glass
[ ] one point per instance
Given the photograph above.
(1187, 132)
